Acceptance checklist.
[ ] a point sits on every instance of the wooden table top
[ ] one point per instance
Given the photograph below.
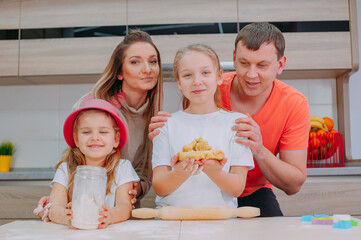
(256, 228)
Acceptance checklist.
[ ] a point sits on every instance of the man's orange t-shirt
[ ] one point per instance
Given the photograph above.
(284, 121)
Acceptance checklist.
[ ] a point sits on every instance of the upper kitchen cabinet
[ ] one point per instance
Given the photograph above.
(142, 12)
(9, 60)
(9, 25)
(293, 10)
(320, 35)
(46, 14)
(184, 22)
(65, 56)
(9, 14)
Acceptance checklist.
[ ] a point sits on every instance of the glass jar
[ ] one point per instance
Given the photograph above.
(88, 196)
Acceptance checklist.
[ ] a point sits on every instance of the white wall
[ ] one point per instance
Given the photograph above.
(355, 100)
(32, 116)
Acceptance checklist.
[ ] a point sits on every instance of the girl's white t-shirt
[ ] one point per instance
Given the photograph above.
(216, 128)
(124, 173)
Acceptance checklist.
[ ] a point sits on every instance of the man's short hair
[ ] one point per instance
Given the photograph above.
(255, 34)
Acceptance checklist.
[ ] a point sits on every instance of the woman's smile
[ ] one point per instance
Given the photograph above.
(147, 79)
(198, 91)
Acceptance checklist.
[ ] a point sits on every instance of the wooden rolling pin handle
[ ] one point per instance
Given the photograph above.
(247, 212)
(145, 213)
(196, 213)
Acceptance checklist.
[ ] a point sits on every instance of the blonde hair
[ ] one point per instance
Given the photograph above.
(202, 48)
(108, 86)
(74, 157)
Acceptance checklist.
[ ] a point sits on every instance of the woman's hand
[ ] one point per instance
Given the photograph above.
(249, 134)
(42, 210)
(134, 193)
(188, 166)
(105, 217)
(157, 122)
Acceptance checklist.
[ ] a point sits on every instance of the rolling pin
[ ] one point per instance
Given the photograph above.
(196, 212)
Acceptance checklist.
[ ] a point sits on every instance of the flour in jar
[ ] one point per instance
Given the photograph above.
(85, 212)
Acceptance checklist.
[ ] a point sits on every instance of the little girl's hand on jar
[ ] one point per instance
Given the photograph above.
(69, 215)
(105, 218)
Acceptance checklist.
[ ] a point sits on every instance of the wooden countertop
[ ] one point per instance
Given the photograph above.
(256, 228)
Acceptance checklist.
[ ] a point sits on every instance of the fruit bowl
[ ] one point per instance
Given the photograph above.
(325, 150)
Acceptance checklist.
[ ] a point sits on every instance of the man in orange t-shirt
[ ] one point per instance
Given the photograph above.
(278, 121)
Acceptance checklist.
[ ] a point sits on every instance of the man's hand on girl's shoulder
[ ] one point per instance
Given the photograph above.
(249, 134)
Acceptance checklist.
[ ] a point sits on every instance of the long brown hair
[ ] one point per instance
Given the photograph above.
(74, 157)
(202, 48)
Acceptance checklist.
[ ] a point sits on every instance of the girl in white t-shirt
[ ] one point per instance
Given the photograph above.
(199, 182)
(95, 134)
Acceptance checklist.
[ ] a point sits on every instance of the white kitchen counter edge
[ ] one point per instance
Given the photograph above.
(48, 173)
(28, 174)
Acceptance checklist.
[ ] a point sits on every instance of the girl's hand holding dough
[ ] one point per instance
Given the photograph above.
(188, 167)
(211, 165)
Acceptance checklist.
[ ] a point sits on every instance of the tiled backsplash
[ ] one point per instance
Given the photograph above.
(321, 95)
(32, 116)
